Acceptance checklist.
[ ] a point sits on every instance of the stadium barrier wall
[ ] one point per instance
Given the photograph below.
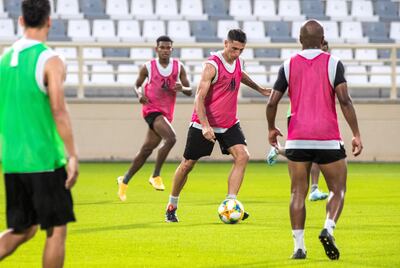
(114, 130)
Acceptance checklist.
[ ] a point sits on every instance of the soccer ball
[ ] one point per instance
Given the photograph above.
(230, 211)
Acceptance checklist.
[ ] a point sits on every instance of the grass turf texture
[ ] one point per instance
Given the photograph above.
(133, 234)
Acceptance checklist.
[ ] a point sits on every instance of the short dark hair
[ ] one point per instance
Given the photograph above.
(237, 35)
(164, 38)
(35, 12)
(325, 43)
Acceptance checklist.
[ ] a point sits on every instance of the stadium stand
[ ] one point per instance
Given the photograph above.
(133, 25)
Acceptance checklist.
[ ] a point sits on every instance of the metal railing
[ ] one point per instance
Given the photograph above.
(393, 61)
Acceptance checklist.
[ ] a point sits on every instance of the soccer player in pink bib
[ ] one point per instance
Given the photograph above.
(215, 118)
(165, 77)
(314, 78)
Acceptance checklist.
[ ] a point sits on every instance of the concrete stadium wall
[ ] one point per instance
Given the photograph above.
(113, 130)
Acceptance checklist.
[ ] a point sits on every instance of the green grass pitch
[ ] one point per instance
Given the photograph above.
(133, 234)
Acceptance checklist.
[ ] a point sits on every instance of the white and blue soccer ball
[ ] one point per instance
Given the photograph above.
(231, 211)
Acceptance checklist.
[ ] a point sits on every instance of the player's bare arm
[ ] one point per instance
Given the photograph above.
(183, 85)
(272, 107)
(54, 79)
(143, 74)
(202, 90)
(349, 113)
(246, 79)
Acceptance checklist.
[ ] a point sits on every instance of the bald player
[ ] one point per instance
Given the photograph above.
(314, 78)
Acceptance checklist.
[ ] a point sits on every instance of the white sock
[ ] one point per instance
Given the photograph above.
(231, 196)
(330, 225)
(173, 200)
(298, 238)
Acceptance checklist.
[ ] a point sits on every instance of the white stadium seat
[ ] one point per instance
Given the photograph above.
(342, 53)
(68, 9)
(224, 26)
(331, 31)
(257, 74)
(337, 10)
(104, 31)
(129, 31)
(3, 14)
(255, 31)
(102, 74)
(167, 10)
(69, 53)
(356, 75)
(193, 10)
(365, 54)
(265, 10)
(179, 31)
(72, 78)
(79, 30)
(127, 74)
(118, 9)
(362, 10)
(93, 55)
(351, 31)
(152, 29)
(143, 10)
(395, 31)
(290, 10)
(7, 30)
(241, 10)
(287, 53)
(274, 69)
(381, 75)
(141, 55)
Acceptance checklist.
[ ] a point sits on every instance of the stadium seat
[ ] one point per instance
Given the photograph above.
(216, 9)
(255, 31)
(69, 53)
(57, 31)
(381, 76)
(362, 10)
(192, 56)
(192, 10)
(129, 31)
(331, 32)
(93, 55)
(274, 69)
(257, 73)
(296, 25)
(248, 57)
(313, 9)
(365, 55)
(395, 31)
(141, 55)
(386, 10)
(241, 10)
(167, 10)
(224, 26)
(13, 8)
(342, 53)
(118, 9)
(93, 9)
(287, 53)
(351, 32)
(7, 30)
(356, 75)
(264, 54)
(102, 74)
(179, 31)
(289, 10)
(104, 31)
(79, 30)
(376, 32)
(127, 74)
(72, 78)
(278, 31)
(204, 31)
(265, 10)
(117, 55)
(143, 10)
(152, 29)
(3, 14)
(68, 9)
(337, 10)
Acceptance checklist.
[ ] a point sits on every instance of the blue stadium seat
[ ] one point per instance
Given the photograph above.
(313, 9)
(204, 31)
(13, 8)
(58, 31)
(116, 52)
(268, 53)
(93, 9)
(278, 31)
(216, 9)
(387, 10)
(377, 32)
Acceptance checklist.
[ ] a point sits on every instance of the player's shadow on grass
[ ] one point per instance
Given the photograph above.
(93, 203)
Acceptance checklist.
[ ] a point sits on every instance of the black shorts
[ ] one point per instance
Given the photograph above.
(319, 156)
(38, 198)
(197, 146)
(150, 118)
